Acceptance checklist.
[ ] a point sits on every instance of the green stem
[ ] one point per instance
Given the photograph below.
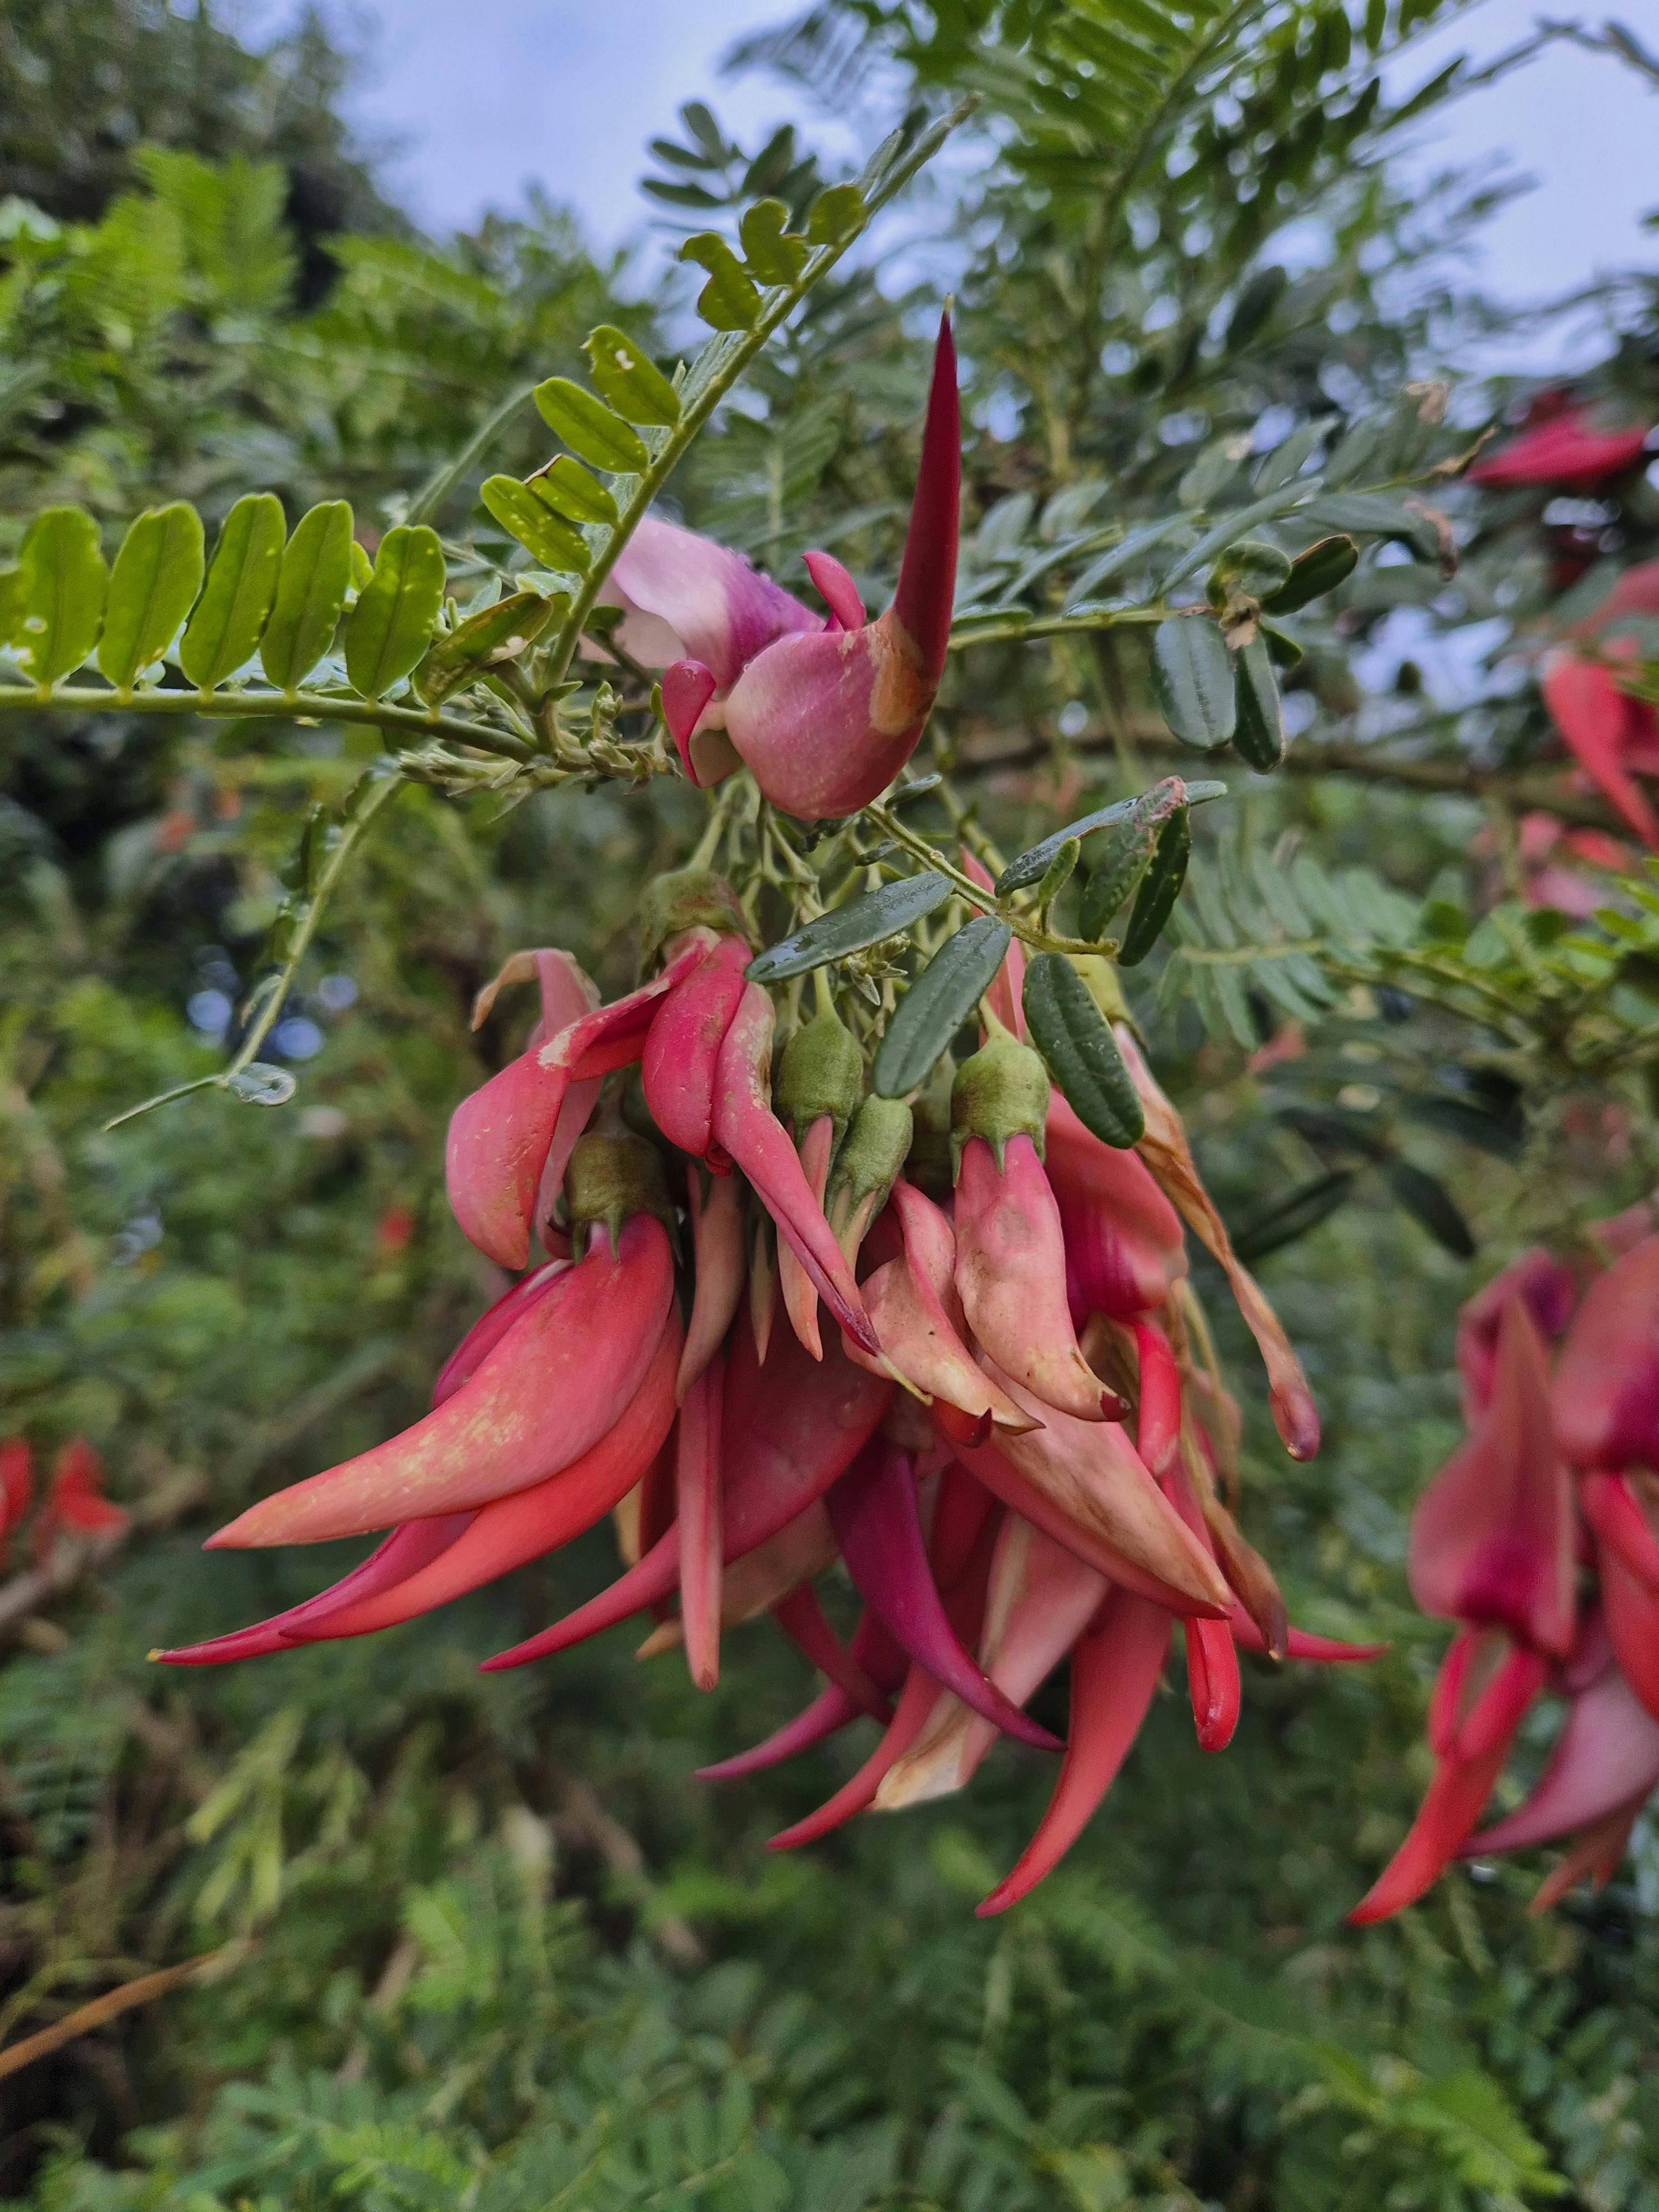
(274, 994)
(717, 368)
(1022, 628)
(983, 902)
(270, 707)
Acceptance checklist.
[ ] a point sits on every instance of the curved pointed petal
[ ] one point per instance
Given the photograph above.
(403, 1553)
(697, 1499)
(1610, 1506)
(1606, 1755)
(910, 1301)
(487, 1332)
(1166, 1151)
(800, 1300)
(1594, 715)
(1010, 1278)
(717, 1250)
(800, 1617)
(678, 1068)
(1492, 1537)
(1606, 1393)
(790, 1428)
(1545, 1286)
(555, 1383)
(872, 1508)
(1115, 1669)
(917, 1701)
(830, 1711)
(928, 568)
(836, 589)
(1633, 1617)
(745, 1126)
(687, 688)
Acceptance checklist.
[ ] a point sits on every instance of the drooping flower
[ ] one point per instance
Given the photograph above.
(824, 713)
(1558, 1475)
(957, 1442)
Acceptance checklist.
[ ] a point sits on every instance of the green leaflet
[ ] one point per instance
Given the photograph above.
(938, 1003)
(835, 215)
(60, 591)
(157, 575)
(771, 255)
(1317, 569)
(241, 583)
(387, 630)
(863, 922)
(1259, 728)
(497, 633)
(728, 301)
(1294, 1215)
(1032, 864)
(1193, 680)
(311, 588)
(589, 427)
(628, 381)
(11, 604)
(549, 540)
(1071, 1033)
(565, 486)
(1130, 850)
(1160, 887)
(1431, 1206)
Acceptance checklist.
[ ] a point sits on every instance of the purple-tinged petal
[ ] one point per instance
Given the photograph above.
(687, 688)
(836, 589)
(1605, 1755)
(722, 612)
(1606, 1379)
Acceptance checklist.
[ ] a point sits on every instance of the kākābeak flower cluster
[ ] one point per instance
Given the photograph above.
(1540, 1537)
(822, 711)
(1008, 1436)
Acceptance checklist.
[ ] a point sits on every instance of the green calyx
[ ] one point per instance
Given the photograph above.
(613, 1175)
(688, 898)
(878, 1144)
(822, 1072)
(1001, 1092)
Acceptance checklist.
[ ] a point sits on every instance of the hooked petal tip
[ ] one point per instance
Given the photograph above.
(687, 688)
(927, 581)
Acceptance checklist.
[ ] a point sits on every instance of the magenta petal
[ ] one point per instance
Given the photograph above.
(1606, 1378)
(403, 1553)
(1607, 1754)
(687, 688)
(825, 722)
(830, 1711)
(1492, 1536)
(872, 1508)
(836, 589)
(927, 571)
(723, 612)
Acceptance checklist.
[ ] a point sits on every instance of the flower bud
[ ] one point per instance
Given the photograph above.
(613, 1175)
(822, 1072)
(875, 1150)
(687, 898)
(1001, 1092)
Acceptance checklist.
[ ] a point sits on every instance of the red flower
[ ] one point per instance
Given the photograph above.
(1563, 450)
(17, 1488)
(75, 1500)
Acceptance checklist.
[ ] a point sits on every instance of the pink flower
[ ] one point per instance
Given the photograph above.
(1563, 450)
(825, 714)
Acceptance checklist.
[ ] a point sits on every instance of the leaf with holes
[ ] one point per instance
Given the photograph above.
(772, 256)
(229, 617)
(565, 486)
(387, 630)
(61, 588)
(153, 586)
(938, 1003)
(1070, 1031)
(628, 381)
(851, 929)
(728, 301)
(546, 537)
(311, 588)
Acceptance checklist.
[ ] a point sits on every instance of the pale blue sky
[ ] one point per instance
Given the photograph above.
(491, 97)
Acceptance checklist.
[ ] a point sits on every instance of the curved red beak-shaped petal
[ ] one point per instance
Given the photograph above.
(825, 719)
(487, 1332)
(1597, 720)
(746, 1126)
(910, 1299)
(789, 1429)
(1492, 1537)
(501, 1136)
(1606, 1755)
(1124, 1247)
(800, 1616)
(1607, 1377)
(558, 1379)
(1167, 1153)
(1010, 1278)
(801, 1301)
(403, 1554)
(717, 1247)
(1115, 1665)
(1326, 1650)
(682, 1052)
(1082, 1484)
(880, 1662)
(1564, 451)
(873, 1511)
(1041, 1600)
(697, 1509)
(1484, 1688)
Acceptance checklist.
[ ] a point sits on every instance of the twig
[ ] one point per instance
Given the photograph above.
(110, 2006)
(583, 1819)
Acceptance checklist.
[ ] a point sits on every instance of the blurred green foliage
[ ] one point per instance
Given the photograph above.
(482, 1942)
